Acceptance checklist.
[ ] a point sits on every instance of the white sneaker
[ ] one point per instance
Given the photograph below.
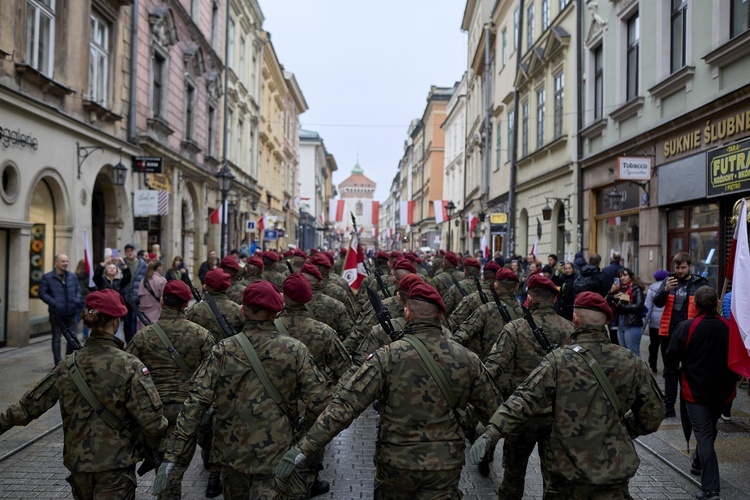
(726, 418)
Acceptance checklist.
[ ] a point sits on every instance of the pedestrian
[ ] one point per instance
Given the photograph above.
(101, 460)
(515, 355)
(564, 304)
(590, 277)
(138, 268)
(592, 453)
(178, 269)
(515, 266)
(150, 292)
(420, 446)
(113, 274)
(627, 299)
(206, 265)
(653, 318)
(60, 290)
(84, 279)
(172, 349)
(676, 295)
(612, 270)
(579, 261)
(253, 429)
(698, 350)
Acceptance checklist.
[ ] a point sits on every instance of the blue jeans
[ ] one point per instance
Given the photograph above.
(629, 336)
(70, 322)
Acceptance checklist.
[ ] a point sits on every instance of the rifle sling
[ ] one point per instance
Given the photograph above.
(176, 356)
(458, 285)
(433, 368)
(216, 320)
(604, 382)
(91, 399)
(280, 327)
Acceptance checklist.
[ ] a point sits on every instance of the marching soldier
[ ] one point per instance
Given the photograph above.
(232, 267)
(216, 284)
(172, 349)
(420, 446)
(462, 288)
(437, 263)
(101, 459)
(475, 300)
(595, 414)
(371, 281)
(514, 356)
(331, 287)
(270, 272)
(324, 308)
(298, 259)
(449, 276)
(338, 266)
(255, 379)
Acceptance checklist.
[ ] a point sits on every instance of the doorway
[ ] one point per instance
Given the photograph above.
(4, 250)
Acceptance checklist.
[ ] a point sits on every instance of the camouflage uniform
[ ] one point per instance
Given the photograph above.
(334, 288)
(272, 275)
(444, 280)
(437, 266)
(280, 267)
(471, 303)
(592, 449)
(372, 282)
(237, 288)
(194, 343)
(512, 359)
(331, 312)
(251, 432)
(480, 331)
(420, 442)
(454, 296)
(369, 319)
(201, 314)
(338, 266)
(101, 461)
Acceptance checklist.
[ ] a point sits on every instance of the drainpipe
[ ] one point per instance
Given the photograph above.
(132, 138)
(487, 130)
(579, 142)
(514, 152)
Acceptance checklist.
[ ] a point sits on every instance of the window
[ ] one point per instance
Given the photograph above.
(545, 14)
(516, 19)
(98, 60)
(511, 137)
(559, 97)
(525, 128)
(679, 33)
(530, 26)
(195, 11)
(540, 97)
(504, 53)
(598, 83)
(228, 142)
(696, 230)
(157, 91)
(211, 146)
(634, 36)
(189, 111)
(230, 41)
(40, 35)
(563, 4)
(740, 17)
(240, 137)
(242, 60)
(215, 24)
(499, 145)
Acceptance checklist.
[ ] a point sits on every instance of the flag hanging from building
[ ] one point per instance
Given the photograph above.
(486, 247)
(336, 210)
(738, 270)
(473, 222)
(354, 264)
(215, 216)
(441, 212)
(87, 259)
(263, 222)
(406, 216)
(375, 213)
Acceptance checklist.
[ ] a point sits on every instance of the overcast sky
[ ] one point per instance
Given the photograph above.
(365, 69)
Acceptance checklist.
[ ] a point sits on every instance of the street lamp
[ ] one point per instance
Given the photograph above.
(119, 172)
(225, 178)
(615, 199)
(450, 208)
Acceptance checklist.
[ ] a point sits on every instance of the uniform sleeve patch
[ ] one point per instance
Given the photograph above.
(144, 371)
(369, 356)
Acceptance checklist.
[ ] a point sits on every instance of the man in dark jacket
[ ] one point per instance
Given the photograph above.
(676, 296)
(590, 278)
(138, 268)
(612, 271)
(61, 291)
(700, 347)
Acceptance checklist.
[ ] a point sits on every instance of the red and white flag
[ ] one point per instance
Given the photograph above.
(263, 222)
(406, 217)
(336, 210)
(738, 270)
(375, 213)
(534, 246)
(486, 247)
(441, 213)
(473, 222)
(87, 260)
(215, 216)
(354, 264)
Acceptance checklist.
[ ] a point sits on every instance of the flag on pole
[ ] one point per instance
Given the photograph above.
(375, 213)
(215, 216)
(87, 260)
(738, 270)
(486, 247)
(354, 264)
(441, 212)
(473, 222)
(263, 222)
(340, 205)
(406, 216)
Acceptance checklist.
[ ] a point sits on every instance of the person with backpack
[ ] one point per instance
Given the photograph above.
(150, 292)
(653, 318)
(627, 299)
(590, 277)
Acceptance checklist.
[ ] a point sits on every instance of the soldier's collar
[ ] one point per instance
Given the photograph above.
(541, 305)
(590, 332)
(253, 326)
(170, 313)
(415, 324)
(98, 337)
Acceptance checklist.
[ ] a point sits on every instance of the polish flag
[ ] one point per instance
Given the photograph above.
(263, 222)
(354, 264)
(321, 218)
(534, 246)
(340, 205)
(375, 213)
(407, 213)
(473, 222)
(87, 261)
(486, 247)
(216, 215)
(738, 270)
(441, 213)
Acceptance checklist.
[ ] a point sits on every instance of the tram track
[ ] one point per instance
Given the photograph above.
(31, 441)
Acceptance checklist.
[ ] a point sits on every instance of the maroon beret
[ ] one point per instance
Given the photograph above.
(230, 262)
(404, 264)
(426, 293)
(506, 274)
(441, 251)
(411, 256)
(409, 281)
(179, 289)
(452, 258)
(471, 262)
(300, 253)
(491, 267)
(256, 261)
(320, 259)
(343, 250)
(271, 255)
(395, 254)
(288, 253)
(331, 257)
(539, 281)
(218, 279)
(310, 269)
(263, 295)
(594, 302)
(107, 302)
(296, 287)
(380, 254)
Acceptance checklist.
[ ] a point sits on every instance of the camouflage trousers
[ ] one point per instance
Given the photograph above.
(561, 489)
(240, 486)
(173, 491)
(392, 483)
(516, 453)
(118, 484)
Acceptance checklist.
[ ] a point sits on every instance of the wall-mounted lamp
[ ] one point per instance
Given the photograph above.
(84, 152)
(547, 210)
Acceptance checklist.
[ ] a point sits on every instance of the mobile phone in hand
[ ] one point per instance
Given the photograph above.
(617, 281)
(115, 253)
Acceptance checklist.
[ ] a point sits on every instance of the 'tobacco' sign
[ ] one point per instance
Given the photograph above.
(634, 168)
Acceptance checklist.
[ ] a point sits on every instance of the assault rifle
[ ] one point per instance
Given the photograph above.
(427, 268)
(289, 266)
(221, 318)
(381, 284)
(384, 317)
(140, 314)
(364, 262)
(482, 295)
(464, 293)
(70, 336)
(541, 337)
(500, 306)
(189, 283)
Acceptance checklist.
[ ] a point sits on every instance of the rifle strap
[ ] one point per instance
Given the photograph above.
(601, 377)
(433, 368)
(211, 311)
(280, 326)
(398, 324)
(458, 285)
(261, 373)
(176, 356)
(91, 399)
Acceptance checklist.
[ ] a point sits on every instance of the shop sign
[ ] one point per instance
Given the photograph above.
(10, 138)
(150, 202)
(270, 234)
(634, 168)
(501, 218)
(729, 169)
(147, 164)
(711, 133)
(250, 225)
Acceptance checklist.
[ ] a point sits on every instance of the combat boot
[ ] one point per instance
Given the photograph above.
(213, 488)
(320, 487)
